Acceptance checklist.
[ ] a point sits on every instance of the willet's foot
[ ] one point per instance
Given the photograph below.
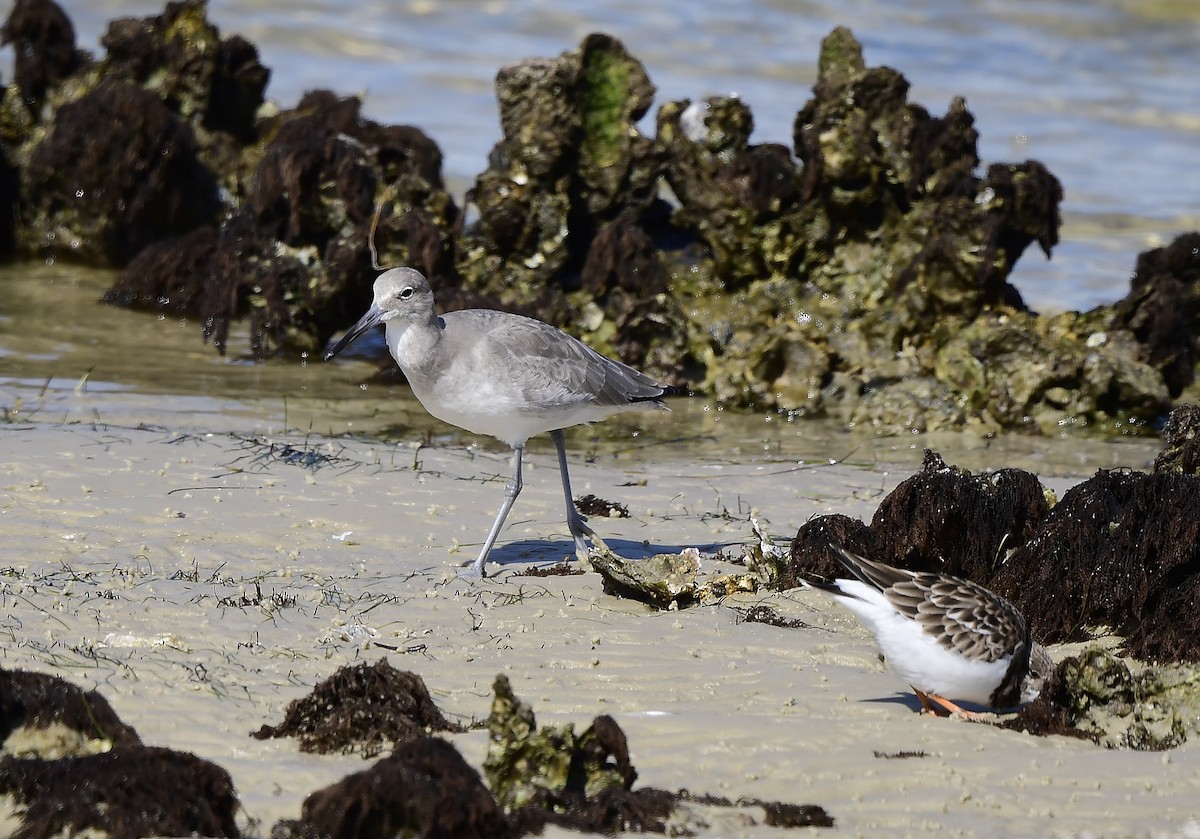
(502, 375)
(949, 638)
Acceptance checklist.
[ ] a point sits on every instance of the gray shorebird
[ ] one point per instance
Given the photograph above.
(503, 375)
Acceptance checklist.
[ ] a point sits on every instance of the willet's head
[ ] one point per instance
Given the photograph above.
(402, 293)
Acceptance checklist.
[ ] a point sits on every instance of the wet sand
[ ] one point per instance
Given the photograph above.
(201, 581)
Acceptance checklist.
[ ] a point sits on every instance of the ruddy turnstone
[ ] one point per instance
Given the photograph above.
(949, 638)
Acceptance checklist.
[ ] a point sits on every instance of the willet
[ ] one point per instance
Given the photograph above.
(502, 375)
(949, 638)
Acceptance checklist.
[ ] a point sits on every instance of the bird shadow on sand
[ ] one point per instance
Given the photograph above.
(910, 701)
(515, 556)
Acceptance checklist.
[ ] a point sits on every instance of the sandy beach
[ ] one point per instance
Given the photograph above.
(201, 581)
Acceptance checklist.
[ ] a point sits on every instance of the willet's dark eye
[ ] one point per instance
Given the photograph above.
(405, 293)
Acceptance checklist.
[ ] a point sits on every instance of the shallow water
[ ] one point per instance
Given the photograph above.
(1100, 91)
(83, 362)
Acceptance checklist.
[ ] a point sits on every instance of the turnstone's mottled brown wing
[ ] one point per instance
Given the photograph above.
(872, 573)
(963, 616)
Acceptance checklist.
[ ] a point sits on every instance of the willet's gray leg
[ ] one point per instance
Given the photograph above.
(511, 490)
(575, 521)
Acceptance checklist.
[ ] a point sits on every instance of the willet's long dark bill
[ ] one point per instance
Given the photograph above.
(502, 375)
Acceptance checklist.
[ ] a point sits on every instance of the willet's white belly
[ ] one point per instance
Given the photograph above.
(502, 375)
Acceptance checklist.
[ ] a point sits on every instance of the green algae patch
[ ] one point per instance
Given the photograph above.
(604, 91)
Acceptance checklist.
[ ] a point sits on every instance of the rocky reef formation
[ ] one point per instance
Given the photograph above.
(860, 272)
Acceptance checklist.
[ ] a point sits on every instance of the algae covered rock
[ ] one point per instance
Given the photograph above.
(861, 273)
(295, 258)
(213, 82)
(1097, 695)
(664, 580)
(116, 172)
(566, 204)
(43, 40)
(1162, 308)
(133, 149)
(129, 791)
(1180, 453)
(1018, 371)
(45, 717)
(1122, 550)
(71, 767)
(737, 198)
(570, 160)
(854, 263)
(556, 776)
(920, 525)
(525, 765)
(1118, 550)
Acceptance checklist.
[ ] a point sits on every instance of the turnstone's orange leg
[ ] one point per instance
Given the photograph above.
(927, 706)
(953, 709)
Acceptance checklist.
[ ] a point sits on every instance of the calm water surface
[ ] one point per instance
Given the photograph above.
(1102, 92)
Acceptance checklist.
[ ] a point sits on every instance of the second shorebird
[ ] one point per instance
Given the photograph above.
(502, 375)
(949, 638)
